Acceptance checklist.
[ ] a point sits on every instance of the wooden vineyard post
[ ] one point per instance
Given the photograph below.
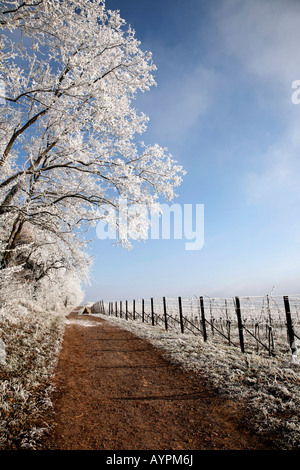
(270, 335)
(289, 325)
(203, 319)
(133, 308)
(152, 312)
(257, 335)
(271, 341)
(120, 308)
(143, 310)
(211, 318)
(165, 313)
(116, 306)
(180, 314)
(240, 323)
(126, 312)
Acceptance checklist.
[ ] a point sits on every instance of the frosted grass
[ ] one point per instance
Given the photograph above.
(32, 341)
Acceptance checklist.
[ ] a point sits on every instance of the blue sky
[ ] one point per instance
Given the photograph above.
(223, 108)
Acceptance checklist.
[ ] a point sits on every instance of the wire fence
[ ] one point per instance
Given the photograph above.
(268, 325)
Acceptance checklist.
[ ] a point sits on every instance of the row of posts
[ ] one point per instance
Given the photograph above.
(113, 310)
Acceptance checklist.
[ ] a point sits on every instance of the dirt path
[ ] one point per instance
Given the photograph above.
(115, 391)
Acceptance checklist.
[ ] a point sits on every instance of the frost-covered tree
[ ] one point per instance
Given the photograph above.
(44, 271)
(69, 143)
(68, 129)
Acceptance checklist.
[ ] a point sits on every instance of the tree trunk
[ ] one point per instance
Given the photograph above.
(12, 241)
(4, 206)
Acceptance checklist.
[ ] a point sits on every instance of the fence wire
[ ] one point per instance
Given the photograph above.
(263, 325)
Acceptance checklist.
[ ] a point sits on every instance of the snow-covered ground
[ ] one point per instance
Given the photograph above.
(268, 387)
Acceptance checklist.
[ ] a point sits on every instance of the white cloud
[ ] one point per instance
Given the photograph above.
(185, 99)
(277, 180)
(264, 36)
(181, 98)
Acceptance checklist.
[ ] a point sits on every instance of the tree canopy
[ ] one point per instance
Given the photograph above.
(69, 133)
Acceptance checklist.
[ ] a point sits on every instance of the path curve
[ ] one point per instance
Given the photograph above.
(115, 391)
